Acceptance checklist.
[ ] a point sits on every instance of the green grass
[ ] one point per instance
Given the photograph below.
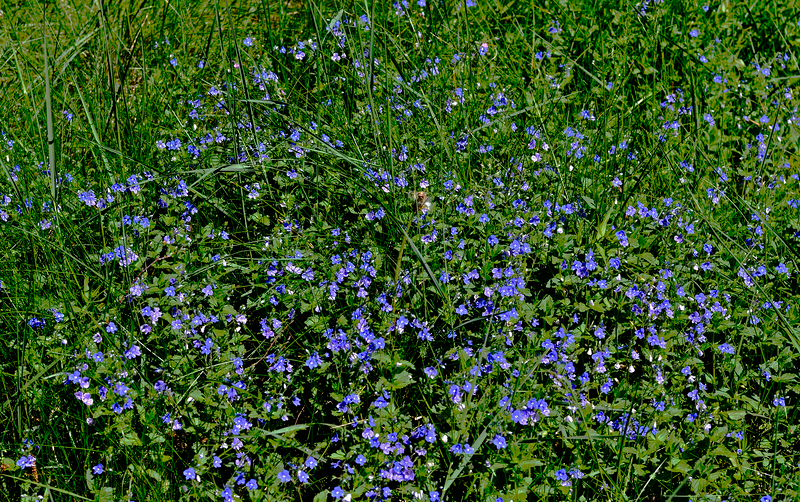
(213, 268)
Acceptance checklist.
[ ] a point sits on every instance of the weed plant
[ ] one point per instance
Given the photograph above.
(433, 250)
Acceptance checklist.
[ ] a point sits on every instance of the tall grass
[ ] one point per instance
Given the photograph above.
(423, 250)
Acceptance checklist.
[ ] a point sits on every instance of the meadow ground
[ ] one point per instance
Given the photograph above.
(425, 250)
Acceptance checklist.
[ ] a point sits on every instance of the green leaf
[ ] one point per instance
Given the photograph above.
(289, 429)
(197, 395)
(649, 258)
(531, 462)
(718, 434)
(130, 439)
(737, 415)
(400, 380)
(603, 228)
(679, 466)
(464, 460)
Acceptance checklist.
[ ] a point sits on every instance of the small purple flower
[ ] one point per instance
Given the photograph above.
(98, 469)
(623, 239)
(251, 485)
(190, 474)
(284, 476)
(26, 461)
(85, 398)
(726, 348)
(337, 493)
(499, 442)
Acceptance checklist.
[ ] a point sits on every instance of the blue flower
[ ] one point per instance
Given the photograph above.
(189, 473)
(251, 485)
(26, 461)
(284, 476)
(337, 493)
(499, 441)
(562, 476)
(98, 469)
(623, 239)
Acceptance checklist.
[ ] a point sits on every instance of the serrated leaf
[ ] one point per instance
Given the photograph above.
(597, 307)
(130, 438)
(400, 380)
(680, 466)
(649, 258)
(718, 434)
(105, 494)
(737, 415)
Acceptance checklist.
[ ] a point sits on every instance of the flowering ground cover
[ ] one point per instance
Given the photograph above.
(428, 250)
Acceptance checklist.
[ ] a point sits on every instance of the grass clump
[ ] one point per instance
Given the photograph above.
(427, 250)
